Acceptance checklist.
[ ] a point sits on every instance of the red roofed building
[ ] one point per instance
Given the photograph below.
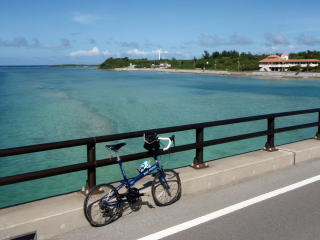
(282, 63)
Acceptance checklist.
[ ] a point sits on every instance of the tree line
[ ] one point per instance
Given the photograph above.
(224, 60)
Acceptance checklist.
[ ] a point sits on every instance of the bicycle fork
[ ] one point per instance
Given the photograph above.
(164, 182)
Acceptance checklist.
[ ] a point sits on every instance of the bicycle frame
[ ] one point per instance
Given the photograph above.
(128, 183)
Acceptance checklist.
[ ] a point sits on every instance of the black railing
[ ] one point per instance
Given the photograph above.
(199, 144)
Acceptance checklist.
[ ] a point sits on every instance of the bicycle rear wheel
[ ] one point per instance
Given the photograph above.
(166, 188)
(101, 205)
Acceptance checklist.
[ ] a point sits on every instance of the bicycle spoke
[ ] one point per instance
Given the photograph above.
(166, 188)
(101, 205)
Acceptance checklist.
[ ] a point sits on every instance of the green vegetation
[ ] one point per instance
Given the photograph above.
(305, 55)
(298, 68)
(111, 63)
(229, 60)
(225, 60)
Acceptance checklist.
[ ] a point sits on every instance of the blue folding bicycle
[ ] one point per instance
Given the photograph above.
(103, 203)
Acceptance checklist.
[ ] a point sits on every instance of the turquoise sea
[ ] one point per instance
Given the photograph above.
(45, 104)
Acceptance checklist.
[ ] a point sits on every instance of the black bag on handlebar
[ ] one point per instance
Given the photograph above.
(151, 143)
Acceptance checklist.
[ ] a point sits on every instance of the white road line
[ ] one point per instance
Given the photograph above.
(227, 210)
(39, 219)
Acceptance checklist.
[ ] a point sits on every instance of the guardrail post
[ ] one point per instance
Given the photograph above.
(318, 133)
(198, 159)
(269, 146)
(91, 159)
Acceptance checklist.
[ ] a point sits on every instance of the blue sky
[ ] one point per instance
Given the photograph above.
(88, 32)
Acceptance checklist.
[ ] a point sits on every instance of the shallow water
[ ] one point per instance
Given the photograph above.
(45, 104)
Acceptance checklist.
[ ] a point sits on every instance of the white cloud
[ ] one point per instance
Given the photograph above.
(136, 51)
(84, 18)
(106, 52)
(35, 43)
(237, 39)
(88, 53)
(183, 55)
(95, 51)
(210, 40)
(159, 50)
(216, 40)
(308, 40)
(275, 39)
(277, 49)
(17, 42)
(129, 44)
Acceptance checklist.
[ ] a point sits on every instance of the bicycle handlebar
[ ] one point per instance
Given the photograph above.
(170, 140)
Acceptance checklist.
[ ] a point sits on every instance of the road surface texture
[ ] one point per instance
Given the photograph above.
(294, 214)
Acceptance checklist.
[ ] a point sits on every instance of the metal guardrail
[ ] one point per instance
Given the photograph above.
(199, 144)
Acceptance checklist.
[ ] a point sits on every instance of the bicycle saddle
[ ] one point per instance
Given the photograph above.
(115, 147)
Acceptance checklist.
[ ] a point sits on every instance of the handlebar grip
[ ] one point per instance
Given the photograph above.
(172, 138)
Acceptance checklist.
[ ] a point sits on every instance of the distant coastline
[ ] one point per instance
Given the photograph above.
(308, 75)
(73, 65)
(295, 75)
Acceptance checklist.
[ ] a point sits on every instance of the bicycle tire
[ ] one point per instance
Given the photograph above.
(162, 195)
(97, 202)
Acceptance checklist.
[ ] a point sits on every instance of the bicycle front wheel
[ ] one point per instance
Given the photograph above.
(101, 205)
(166, 188)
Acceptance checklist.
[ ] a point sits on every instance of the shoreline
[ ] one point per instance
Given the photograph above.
(295, 75)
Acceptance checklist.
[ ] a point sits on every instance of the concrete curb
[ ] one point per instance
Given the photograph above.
(304, 151)
(57, 215)
(233, 170)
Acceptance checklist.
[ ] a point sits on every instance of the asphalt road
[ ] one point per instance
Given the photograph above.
(293, 215)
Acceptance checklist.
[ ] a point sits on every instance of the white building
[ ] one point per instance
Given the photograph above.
(282, 63)
(161, 65)
(132, 65)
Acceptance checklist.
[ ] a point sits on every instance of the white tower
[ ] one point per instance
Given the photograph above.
(285, 56)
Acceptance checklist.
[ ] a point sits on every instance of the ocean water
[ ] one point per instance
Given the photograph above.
(45, 104)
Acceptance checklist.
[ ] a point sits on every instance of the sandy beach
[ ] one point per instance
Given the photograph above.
(228, 73)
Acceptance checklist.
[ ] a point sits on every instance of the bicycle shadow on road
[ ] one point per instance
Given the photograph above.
(127, 208)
